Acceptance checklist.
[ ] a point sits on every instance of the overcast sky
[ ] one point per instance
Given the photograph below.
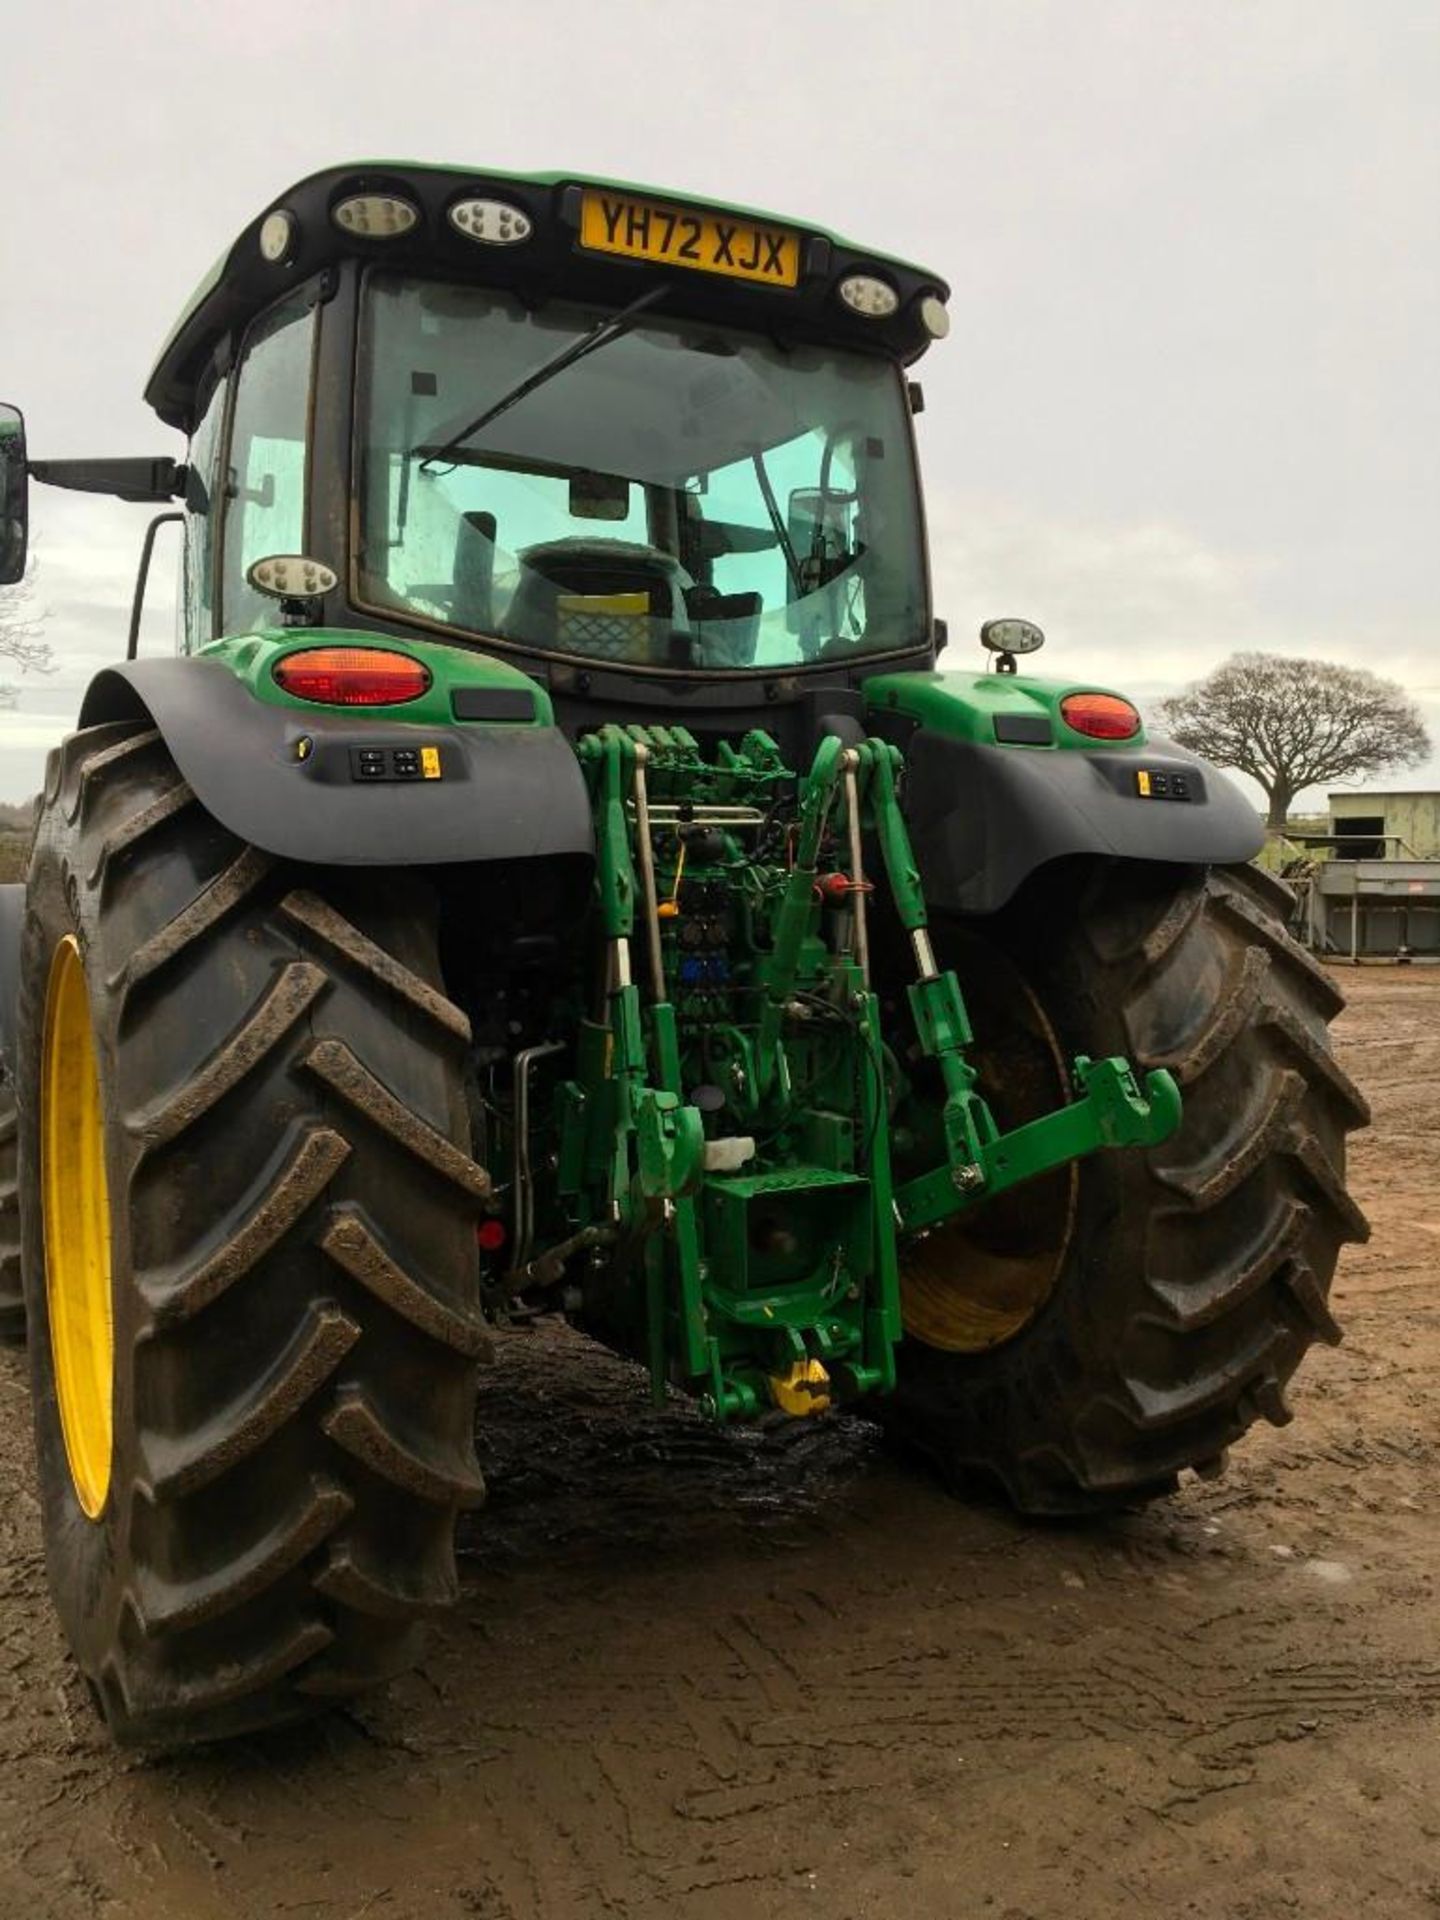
(1191, 401)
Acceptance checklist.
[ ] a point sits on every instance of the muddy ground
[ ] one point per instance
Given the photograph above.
(708, 1676)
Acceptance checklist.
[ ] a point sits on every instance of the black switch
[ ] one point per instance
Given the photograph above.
(368, 763)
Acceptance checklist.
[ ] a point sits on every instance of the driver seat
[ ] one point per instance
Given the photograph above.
(609, 600)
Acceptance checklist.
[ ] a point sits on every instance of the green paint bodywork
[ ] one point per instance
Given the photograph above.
(252, 657)
(965, 705)
(961, 705)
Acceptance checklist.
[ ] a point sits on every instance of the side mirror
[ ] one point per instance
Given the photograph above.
(14, 497)
(819, 525)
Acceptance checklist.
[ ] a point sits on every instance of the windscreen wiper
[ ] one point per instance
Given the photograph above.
(600, 335)
(782, 532)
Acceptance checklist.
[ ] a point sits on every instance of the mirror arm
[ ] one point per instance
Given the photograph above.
(145, 481)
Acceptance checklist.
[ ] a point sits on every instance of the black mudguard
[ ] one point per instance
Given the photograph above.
(285, 779)
(984, 818)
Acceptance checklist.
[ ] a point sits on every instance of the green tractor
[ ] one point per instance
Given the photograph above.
(554, 878)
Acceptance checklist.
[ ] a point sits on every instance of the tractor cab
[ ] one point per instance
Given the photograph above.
(572, 423)
(583, 427)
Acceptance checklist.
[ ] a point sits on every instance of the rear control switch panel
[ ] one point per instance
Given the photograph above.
(372, 764)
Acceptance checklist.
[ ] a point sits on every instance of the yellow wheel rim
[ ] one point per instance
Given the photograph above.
(981, 1280)
(966, 1298)
(76, 1205)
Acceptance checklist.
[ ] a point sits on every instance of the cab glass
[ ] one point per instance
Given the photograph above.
(680, 496)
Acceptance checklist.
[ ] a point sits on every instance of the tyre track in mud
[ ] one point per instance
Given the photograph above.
(710, 1675)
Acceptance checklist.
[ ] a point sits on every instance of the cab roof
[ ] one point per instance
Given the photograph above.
(551, 260)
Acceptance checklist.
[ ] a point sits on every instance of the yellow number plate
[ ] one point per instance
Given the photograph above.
(705, 242)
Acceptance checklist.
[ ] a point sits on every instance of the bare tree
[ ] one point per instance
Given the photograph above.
(1292, 723)
(22, 638)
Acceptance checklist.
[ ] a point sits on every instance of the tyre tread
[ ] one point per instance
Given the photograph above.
(334, 1063)
(289, 998)
(325, 924)
(308, 1170)
(164, 1606)
(172, 1468)
(1106, 1404)
(345, 1580)
(138, 828)
(302, 1313)
(12, 1287)
(351, 1245)
(220, 899)
(445, 1479)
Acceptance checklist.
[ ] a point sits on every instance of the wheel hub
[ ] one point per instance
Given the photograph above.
(978, 1281)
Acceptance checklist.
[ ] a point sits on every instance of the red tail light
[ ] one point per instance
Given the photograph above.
(352, 676)
(1104, 716)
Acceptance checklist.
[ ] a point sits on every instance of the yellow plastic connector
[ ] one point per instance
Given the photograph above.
(804, 1389)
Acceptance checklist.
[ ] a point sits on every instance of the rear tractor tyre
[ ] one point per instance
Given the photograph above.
(1175, 1290)
(12, 1294)
(248, 1215)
